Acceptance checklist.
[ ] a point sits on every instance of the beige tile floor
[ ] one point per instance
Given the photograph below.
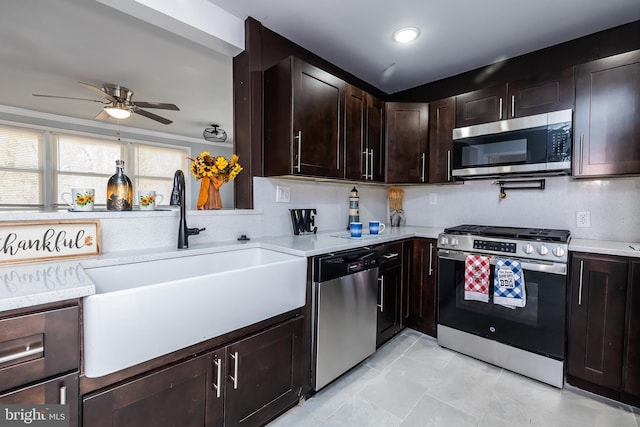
(411, 381)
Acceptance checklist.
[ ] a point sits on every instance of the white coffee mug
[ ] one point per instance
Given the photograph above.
(79, 199)
(148, 200)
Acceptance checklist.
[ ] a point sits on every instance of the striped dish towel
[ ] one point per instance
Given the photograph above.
(476, 277)
(508, 284)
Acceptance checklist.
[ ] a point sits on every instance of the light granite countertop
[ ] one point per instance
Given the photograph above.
(26, 285)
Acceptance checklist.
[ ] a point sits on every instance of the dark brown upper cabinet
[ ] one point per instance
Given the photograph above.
(363, 136)
(607, 116)
(303, 110)
(516, 99)
(407, 133)
(442, 115)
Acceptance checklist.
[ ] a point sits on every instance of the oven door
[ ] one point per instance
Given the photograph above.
(538, 327)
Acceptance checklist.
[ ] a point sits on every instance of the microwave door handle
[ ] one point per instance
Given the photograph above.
(500, 108)
(448, 165)
(513, 106)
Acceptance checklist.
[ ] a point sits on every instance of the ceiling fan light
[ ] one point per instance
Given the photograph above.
(117, 112)
(405, 35)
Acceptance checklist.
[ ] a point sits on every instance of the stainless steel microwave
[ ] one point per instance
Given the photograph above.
(531, 145)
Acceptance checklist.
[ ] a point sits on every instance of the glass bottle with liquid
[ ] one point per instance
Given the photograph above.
(119, 190)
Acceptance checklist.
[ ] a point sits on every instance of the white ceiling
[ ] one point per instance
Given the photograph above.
(46, 46)
(456, 35)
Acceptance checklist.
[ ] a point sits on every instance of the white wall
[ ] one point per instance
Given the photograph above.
(614, 205)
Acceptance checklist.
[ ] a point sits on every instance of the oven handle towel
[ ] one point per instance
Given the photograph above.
(508, 284)
(477, 270)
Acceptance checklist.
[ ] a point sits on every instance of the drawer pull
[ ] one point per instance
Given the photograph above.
(390, 255)
(28, 351)
(63, 395)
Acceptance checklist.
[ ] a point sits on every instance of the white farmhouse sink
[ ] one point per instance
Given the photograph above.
(144, 310)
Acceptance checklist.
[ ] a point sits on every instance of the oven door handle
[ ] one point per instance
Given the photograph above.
(537, 266)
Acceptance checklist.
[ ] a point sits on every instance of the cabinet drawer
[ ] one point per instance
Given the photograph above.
(60, 390)
(38, 345)
(390, 255)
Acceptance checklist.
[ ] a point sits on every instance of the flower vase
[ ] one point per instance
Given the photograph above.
(209, 197)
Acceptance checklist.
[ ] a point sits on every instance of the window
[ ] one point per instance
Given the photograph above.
(37, 166)
(21, 167)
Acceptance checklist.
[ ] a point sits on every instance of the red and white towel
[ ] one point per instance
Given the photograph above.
(477, 269)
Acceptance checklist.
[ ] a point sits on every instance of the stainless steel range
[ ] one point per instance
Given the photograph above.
(502, 297)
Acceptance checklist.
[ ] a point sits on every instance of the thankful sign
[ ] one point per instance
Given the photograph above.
(27, 241)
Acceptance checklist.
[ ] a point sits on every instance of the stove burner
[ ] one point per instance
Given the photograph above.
(522, 233)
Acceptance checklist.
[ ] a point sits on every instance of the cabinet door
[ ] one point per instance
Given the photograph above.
(61, 390)
(375, 137)
(597, 319)
(481, 106)
(607, 116)
(389, 291)
(180, 395)
(443, 114)
(318, 102)
(631, 373)
(407, 132)
(422, 287)
(540, 95)
(356, 150)
(264, 375)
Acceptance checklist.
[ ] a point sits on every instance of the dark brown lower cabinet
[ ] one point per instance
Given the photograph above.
(421, 287)
(631, 363)
(62, 389)
(247, 382)
(597, 319)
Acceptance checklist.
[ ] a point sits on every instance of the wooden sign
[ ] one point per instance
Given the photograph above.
(26, 241)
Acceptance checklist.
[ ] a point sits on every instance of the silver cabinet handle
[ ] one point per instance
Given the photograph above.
(422, 174)
(581, 153)
(28, 351)
(381, 305)
(63, 395)
(430, 259)
(234, 356)
(390, 255)
(580, 287)
(366, 164)
(218, 385)
(513, 105)
(500, 108)
(409, 267)
(448, 165)
(371, 167)
(299, 138)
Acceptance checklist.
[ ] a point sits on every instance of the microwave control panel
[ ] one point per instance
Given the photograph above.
(559, 143)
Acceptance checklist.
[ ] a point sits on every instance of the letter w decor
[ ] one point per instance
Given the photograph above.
(25, 241)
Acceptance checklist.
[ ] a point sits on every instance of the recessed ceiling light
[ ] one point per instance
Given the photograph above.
(405, 35)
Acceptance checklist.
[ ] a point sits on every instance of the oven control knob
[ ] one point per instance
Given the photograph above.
(454, 241)
(444, 240)
(558, 251)
(543, 250)
(528, 249)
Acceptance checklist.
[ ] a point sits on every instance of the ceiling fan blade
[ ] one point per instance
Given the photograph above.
(152, 116)
(160, 105)
(69, 97)
(102, 115)
(99, 91)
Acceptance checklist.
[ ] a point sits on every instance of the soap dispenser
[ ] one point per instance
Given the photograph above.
(119, 190)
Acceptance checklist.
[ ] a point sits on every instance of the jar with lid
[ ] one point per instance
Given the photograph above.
(119, 190)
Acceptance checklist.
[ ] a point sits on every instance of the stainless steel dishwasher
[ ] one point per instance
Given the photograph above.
(345, 298)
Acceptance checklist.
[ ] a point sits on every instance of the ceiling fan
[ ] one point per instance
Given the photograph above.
(119, 105)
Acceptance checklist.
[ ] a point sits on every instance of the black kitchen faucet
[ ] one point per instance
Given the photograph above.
(178, 199)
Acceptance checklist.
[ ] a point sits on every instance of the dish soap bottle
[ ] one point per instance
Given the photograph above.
(119, 190)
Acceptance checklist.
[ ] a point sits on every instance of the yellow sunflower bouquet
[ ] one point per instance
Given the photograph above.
(215, 170)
